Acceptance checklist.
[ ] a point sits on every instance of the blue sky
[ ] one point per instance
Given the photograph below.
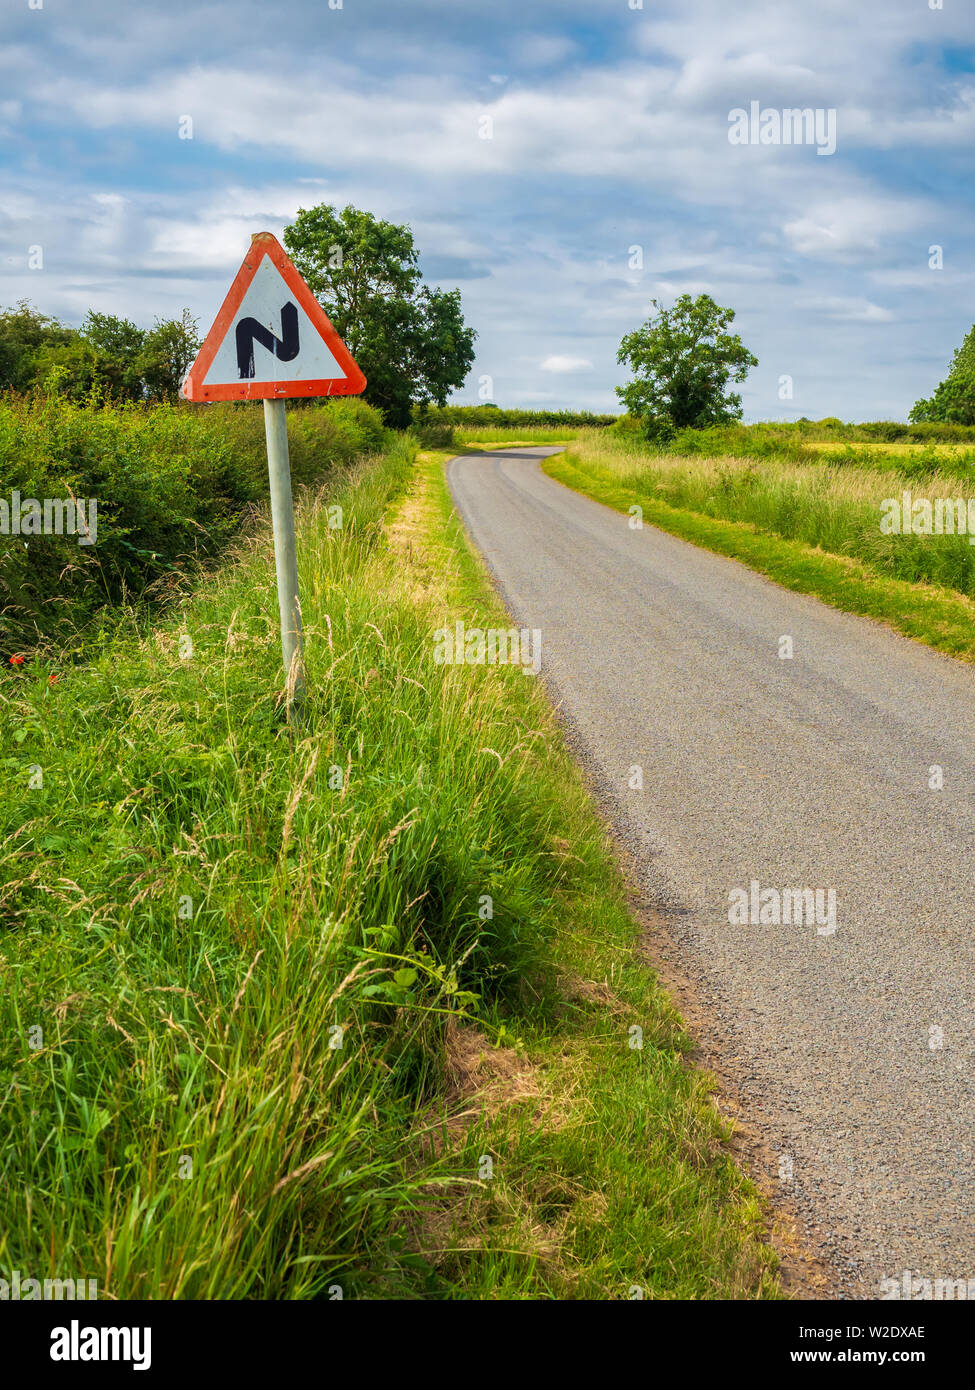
(610, 130)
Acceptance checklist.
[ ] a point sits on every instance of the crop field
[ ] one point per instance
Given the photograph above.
(901, 447)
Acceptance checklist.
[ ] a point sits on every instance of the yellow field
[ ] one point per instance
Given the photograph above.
(837, 446)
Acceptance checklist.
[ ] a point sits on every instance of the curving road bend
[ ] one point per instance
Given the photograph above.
(854, 1047)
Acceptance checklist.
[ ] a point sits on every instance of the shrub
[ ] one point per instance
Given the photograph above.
(172, 484)
(437, 434)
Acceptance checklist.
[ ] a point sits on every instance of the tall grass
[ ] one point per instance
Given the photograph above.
(192, 906)
(229, 957)
(825, 504)
(512, 434)
(806, 440)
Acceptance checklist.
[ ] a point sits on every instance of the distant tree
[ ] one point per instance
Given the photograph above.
(683, 361)
(167, 354)
(446, 350)
(116, 346)
(29, 345)
(65, 369)
(411, 341)
(109, 359)
(954, 399)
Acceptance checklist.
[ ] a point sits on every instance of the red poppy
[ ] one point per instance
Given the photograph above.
(16, 661)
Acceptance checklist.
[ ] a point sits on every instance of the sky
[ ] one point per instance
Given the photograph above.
(561, 162)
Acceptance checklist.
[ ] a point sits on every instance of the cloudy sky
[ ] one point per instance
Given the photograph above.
(608, 127)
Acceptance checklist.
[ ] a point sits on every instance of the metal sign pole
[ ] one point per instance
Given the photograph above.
(285, 552)
(269, 317)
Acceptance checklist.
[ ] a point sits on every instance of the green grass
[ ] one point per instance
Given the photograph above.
(917, 451)
(508, 437)
(811, 527)
(804, 440)
(194, 899)
(491, 417)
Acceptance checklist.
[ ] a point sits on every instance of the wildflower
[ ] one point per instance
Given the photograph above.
(16, 660)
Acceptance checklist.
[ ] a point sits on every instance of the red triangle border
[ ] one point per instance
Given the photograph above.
(353, 384)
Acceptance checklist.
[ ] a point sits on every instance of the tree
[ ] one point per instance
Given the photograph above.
(110, 359)
(65, 369)
(410, 341)
(30, 345)
(167, 354)
(954, 399)
(115, 347)
(683, 360)
(446, 351)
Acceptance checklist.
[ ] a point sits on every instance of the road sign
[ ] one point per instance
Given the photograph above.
(270, 340)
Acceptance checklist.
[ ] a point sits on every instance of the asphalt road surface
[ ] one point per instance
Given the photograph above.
(854, 1048)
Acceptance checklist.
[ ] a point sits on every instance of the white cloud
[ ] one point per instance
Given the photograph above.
(560, 364)
(720, 80)
(854, 224)
(845, 310)
(922, 277)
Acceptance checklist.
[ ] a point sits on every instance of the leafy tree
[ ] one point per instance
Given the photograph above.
(65, 369)
(954, 399)
(116, 347)
(109, 359)
(683, 360)
(446, 341)
(410, 341)
(167, 354)
(29, 344)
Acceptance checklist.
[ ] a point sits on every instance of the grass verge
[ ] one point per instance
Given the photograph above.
(352, 1008)
(677, 495)
(608, 1169)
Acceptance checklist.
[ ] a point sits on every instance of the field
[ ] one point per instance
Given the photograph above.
(491, 418)
(877, 445)
(899, 449)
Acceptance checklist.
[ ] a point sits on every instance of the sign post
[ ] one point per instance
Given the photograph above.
(272, 340)
(285, 552)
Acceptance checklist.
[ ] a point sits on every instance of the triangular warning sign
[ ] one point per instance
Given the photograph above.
(271, 338)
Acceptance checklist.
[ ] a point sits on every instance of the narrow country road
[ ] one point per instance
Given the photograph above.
(854, 1049)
